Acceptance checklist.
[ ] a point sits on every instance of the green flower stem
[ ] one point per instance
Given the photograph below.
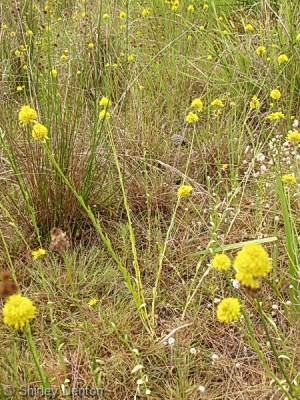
(274, 351)
(253, 342)
(141, 303)
(292, 248)
(35, 355)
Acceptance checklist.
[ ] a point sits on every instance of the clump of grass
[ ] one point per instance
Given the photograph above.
(110, 227)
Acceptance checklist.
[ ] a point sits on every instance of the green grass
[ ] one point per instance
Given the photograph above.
(111, 185)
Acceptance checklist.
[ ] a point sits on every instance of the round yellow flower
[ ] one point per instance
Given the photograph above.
(221, 262)
(261, 50)
(104, 114)
(38, 253)
(53, 72)
(145, 12)
(27, 114)
(17, 311)
(191, 117)
(249, 28)
(229, 310)
(197, 104)
(282, 58)
(184, 191)
(293, 137)
(275, 94)
(252, 261)
(288, 179)
(92, 302)
(191, 8)
(298, 36)
(254, 103)
(275, 115)
(122, 15)
(39, 132)
(217, 103)
(105, 102)
(105, 16)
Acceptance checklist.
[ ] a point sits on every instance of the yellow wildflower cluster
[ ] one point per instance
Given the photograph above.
(39, 131)
(184, 191)
(276, 115)
(293, 137)
(104, 102)
(251, 263)
(282, 58)
(17, 311)
(254, 103)
(229, 310)
(290, 179)
(275, 94)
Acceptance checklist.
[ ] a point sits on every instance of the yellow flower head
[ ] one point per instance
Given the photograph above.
(91, 45)
(252, 261)
(105, 16)
(39, 132)
(145, 12)
(38, 253)
(249, 28)
(53, 72)
(27, 114)
(92, 302)
(191, 8)
(289, 179)
(122, 15)
(275, 115)
(105, 102)
(298, 36)
(293, 137)
(282, 58)
(191, 117)
(17, 311)
(217, 103)
(221, 262)
(131, 57)
(184, 191)
(104, 115)
(261, 50)
(275, 94)
(197, 104)
(254, 103)
(229, 310)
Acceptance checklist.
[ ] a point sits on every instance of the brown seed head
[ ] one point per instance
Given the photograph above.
(59, 241)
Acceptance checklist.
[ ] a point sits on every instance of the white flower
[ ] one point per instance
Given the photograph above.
(215, 357)
(201, 389)
(260, 157)
(171, 341)
(295, 123)
(193, 350)
(236, 284)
